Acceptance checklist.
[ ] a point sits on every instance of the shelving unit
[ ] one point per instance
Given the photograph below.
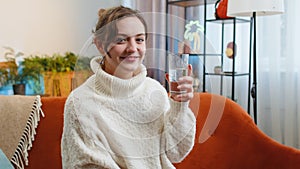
(220, 53)
(189, 3)
(233, 22)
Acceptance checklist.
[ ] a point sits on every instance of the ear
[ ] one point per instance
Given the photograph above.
(99, 46)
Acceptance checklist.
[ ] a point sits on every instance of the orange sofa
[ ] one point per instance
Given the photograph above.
(226, 138)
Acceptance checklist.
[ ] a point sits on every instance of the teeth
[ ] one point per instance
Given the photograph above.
(133, 57)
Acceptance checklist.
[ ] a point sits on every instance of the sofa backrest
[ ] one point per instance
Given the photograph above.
(226, 137)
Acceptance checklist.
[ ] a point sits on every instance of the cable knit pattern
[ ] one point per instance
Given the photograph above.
(115, 123)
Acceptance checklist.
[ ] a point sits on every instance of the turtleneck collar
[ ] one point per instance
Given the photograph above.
(113, 86)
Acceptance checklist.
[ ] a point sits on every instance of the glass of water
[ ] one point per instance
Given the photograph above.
(178, 67)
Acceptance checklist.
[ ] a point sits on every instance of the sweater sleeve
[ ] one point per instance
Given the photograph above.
(78, 151)
(179, 131)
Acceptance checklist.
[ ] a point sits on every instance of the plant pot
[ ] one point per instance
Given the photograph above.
(58, 83)
(80, 77)
(19, 89)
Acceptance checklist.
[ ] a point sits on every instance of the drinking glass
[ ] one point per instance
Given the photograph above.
(178, 67)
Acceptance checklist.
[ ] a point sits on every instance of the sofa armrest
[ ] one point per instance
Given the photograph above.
(236, 142)
(46, 146)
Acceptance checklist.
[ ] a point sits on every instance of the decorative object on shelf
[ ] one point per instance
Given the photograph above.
(231, 50)
(192, 33)
(218, 69)
(221, 9)
(253, 8)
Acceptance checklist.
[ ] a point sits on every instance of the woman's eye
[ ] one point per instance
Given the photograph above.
(140, 39)
(120, 40)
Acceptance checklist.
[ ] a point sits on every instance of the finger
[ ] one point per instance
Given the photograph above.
(185, 79)
(167, 77)
(190, 69)
(184, 97)
(186, 87)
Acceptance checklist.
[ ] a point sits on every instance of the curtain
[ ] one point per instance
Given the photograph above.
(279, 75)
(154, 12)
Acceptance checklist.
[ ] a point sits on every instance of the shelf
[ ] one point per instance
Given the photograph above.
(228, 21)
(205, 54)
(188, 3)
(201, 54)
(227, 74)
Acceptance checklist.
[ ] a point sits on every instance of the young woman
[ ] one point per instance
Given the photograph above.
(119, 118)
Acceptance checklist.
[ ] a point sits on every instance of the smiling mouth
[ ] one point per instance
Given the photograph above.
(129, 58)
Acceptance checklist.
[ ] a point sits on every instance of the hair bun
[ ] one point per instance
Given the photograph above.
(101, 12)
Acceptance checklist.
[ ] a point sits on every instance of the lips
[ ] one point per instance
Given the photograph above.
(129, 58)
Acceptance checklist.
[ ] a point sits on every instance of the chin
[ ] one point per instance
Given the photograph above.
(132, 68)
(129, 67)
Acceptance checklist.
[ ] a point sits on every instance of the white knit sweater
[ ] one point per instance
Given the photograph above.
(115, 123)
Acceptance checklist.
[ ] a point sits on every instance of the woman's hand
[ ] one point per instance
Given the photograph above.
(185, 83)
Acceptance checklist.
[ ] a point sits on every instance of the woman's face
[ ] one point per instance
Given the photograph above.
(127, 51)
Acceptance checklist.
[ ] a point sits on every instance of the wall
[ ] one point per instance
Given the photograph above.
(48, 26)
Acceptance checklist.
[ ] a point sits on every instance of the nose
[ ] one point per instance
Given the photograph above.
(131, 46)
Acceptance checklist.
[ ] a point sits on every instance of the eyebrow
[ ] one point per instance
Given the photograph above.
(140, 34)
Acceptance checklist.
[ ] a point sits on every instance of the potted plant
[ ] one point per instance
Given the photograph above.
(17, 73)
(58, 71)
(3, 74)
(32, 70)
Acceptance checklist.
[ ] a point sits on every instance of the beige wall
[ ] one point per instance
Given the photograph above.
(48, 26)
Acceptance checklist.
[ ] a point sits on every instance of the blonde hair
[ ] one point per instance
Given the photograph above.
(106, 29)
